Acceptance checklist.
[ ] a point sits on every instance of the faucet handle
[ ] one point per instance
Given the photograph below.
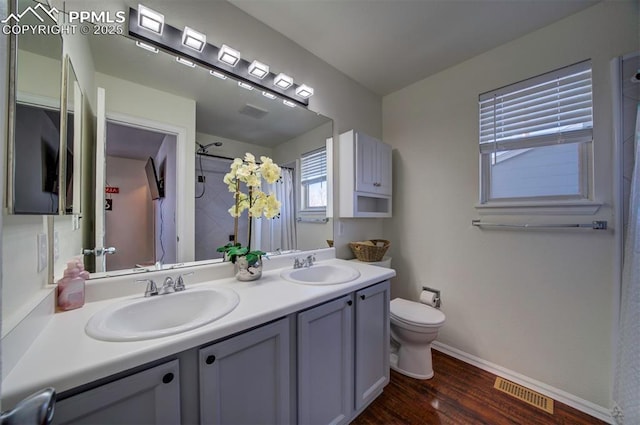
(310, 259)
(179, 286)
(152, 288)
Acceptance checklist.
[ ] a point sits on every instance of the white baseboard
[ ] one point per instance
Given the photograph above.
(564, 397)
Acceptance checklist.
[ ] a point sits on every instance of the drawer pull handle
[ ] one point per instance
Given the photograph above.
(167, 378)
(349, 302)
(362, 297)
(210, 359)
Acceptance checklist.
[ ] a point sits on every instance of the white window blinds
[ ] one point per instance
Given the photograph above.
(313, 165)
(548, 109)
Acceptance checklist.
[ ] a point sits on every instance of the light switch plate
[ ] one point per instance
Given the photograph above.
(42, 251)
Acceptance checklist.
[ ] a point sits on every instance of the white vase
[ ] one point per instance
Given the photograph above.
(245, 272)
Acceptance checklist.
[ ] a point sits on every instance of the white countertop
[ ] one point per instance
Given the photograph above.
(63, 356)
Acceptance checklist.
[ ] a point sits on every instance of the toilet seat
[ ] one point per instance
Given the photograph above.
(415, 314)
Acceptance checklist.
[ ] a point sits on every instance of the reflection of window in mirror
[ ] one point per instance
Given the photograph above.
(313, 181)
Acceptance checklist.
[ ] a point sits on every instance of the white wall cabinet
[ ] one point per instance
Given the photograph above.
(343, 356)
(245, 379)
(148, 397)
(365, 176)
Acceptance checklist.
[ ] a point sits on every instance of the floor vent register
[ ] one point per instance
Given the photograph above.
(524, 394)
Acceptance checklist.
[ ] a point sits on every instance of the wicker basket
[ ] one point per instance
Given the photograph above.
(369, 253)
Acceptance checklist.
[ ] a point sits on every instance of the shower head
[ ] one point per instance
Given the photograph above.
(203, 148)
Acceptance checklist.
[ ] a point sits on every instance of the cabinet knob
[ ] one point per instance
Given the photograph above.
(362, 297)
(349, 302)
(210, 359)
(167, 378)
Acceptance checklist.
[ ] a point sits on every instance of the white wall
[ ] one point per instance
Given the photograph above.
(538, 303)
(129, 225)
(165, 208)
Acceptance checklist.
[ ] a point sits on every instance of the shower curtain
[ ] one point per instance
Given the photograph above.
(280, 233)
(626, 391)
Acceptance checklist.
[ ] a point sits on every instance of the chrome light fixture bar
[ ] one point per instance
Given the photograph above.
(218, 74)
(170, 39)
(258, 69)
(193, 39)
(185, 62)
(283, 81)
(150, 20)
(228, 55)
(145, 46)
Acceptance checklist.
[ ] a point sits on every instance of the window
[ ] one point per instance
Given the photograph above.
(313, 179)
(536, 137)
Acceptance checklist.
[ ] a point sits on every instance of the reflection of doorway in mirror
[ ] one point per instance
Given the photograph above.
(141, 228)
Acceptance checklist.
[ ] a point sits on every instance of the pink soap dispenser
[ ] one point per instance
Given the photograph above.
(71, 286)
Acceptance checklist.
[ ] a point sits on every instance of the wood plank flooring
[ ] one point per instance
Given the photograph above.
(459, 394)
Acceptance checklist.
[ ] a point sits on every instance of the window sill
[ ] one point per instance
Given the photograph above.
(539, 208)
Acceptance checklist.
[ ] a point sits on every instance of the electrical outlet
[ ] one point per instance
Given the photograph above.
(231, 238)
(56, 246)
(43, 251)
(201, 179)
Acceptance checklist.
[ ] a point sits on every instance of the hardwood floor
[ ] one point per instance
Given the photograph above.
(459, 394)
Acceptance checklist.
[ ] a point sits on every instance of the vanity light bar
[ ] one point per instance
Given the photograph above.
(283, 81)
(146, 46)
(185, 62)
(218, 74)
(245, 85)
(258, 69)
(193, 39)
(228, 55)
(150, 20)
(148, 27)
(269, 95)
(289, 103)
(304, 91)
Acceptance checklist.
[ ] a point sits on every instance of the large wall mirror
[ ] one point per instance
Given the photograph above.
(147, 165)
(37, 179)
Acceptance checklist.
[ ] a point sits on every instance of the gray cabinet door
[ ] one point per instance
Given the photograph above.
(148, 397)
(245, 379)
(372, 343)
(325, 363)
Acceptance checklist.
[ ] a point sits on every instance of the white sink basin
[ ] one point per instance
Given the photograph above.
(324, 274)
(161, 315)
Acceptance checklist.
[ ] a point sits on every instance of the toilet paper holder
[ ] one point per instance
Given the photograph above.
(438, 300)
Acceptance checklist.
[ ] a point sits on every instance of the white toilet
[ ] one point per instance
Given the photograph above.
(414, 326)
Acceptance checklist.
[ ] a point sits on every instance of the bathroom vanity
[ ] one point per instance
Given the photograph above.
(288, 353)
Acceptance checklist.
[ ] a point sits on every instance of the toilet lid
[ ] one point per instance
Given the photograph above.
(416, 313)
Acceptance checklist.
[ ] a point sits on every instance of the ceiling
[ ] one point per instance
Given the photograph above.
(386, 45)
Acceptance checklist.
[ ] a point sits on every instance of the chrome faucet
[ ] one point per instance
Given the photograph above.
(152, 288)
(299, 263)
(168, 287)
(179, 285)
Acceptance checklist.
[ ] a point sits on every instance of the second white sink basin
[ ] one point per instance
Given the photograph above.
(323, 274)
(161, 315)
